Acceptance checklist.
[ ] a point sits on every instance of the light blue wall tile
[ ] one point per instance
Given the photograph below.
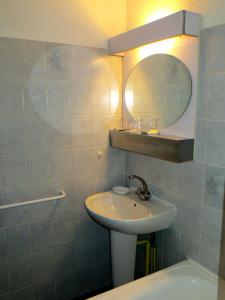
(81, 190)
(190, 248)
(199, 146)
(20, 272)
(26, 293)
(82, 131)
(45, 291)
(203, 98)
(209, 258)
(216, 103)
(3, 251)
(58, 97)
(102, 70)
(41, 235)
(80, 97)
(60, 132)
(16, 215)
(204, 62)
(215, 143)
(81, 60)
(83, 225)
(5, 297)
(214, 186)
(155, 170)
(1, 219)
(18, 240)
(101, 184)
(102, 275)
(191, 218)
(83, 163)
(65, 288)
(173, 176)
(41, 210)
(57, 61)
(37, 132)
(35, 97)
(206, 49)
(61, 162)
(38, 169)
(115, 162)
(101, 248)
(64, 229)
(4, 283)
(172, 245)
(2, 223)
(64, 261)
(100, 128)
(66, 204)
(192, 181)
(12, 135)
(11, 97)
(14, 172)
(84, 280)
(83, 253)
(43, 266)
(176, 200)
(1, 183)
(216, 63)
(10, 66)
(33, 59)
(116, 179)
(100, 98)
(211, 228)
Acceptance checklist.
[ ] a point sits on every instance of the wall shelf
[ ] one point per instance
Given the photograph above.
(170, 148)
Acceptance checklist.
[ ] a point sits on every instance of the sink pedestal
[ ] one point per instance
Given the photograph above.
(123, 252)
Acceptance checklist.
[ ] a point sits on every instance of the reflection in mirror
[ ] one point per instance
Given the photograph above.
(157, 92)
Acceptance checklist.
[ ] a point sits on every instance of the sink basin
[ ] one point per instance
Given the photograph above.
(128, 214)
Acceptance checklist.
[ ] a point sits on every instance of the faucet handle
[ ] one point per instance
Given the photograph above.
(142, 194)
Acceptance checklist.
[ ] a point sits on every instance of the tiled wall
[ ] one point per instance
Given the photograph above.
(221, 289)
(196, 188)
(57, 103)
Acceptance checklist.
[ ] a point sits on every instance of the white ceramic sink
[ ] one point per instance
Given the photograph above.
(128, 214)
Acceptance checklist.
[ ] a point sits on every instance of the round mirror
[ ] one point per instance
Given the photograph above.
(158, 91)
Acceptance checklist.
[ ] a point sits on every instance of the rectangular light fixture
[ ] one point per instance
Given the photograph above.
(180, 23)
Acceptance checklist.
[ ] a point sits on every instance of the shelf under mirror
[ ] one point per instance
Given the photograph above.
(165, 147)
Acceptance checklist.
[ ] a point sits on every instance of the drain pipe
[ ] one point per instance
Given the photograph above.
(147, 254)
(150, 255)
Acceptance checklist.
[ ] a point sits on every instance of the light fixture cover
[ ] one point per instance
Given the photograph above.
(180, 23)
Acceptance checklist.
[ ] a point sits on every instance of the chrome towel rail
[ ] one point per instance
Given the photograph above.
(60, 196)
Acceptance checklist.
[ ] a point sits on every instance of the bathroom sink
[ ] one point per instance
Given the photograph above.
(128, 214)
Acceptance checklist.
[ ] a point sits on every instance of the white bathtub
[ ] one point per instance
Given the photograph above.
(184, 281)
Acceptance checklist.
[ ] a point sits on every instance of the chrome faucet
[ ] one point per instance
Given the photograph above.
(142, 192)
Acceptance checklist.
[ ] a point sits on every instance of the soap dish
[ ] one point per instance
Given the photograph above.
(122, 190)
